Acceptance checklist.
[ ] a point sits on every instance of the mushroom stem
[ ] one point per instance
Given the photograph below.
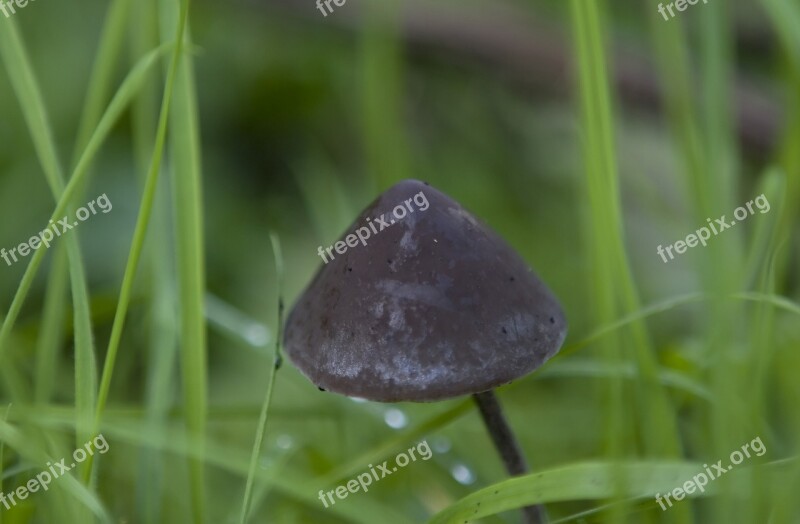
(507, 445)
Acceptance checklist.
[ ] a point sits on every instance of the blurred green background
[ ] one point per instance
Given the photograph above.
(585, 132)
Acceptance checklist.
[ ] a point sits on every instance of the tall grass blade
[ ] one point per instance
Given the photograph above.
(187, 201)
(115, 109)
(27, 89)
(142, 222)
(271, 365)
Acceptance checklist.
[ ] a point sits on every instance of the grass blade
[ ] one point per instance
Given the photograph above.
(22, 445)
(119, 103)
(102, 72)
(612, 282)
(142, 221)
(585, 481)
(188, 212)
(27, 89)
(52, 328)
(272, 363)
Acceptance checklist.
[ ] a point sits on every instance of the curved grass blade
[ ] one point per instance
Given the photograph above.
(272, 364)
(651, 428)
(29, 94)
(142, 221)
(158, 272)
(597, 369)
(237, 325)
(667, 305)
(397, 441)
(16, 440)
(220, 455)
(584, 481)
(108, 51)
(785, 16)
(119, 103)
(188, 205)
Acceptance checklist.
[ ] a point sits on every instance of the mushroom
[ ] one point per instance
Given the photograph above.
(433, 305)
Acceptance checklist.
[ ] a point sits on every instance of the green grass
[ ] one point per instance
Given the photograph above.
(272, 363)
(147, 325)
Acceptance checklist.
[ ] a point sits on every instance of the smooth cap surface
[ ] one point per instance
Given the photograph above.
(436, 305)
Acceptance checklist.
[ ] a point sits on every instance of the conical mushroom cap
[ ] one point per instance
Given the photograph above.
(434, 306)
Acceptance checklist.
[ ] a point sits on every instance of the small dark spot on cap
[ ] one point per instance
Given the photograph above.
(388, 260)
(426, 183)
(511, 279)
(504, 331)
(321, 389)
(349, 268)
(552, 320)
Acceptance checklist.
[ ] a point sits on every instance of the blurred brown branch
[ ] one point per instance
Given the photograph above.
(536, 57)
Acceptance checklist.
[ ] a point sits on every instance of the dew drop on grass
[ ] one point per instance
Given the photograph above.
(284, 441)
(395, 418)
(441, 445)
(462, 474)
(257, 335)
(358, 400)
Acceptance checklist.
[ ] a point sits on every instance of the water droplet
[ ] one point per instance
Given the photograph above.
(358, 400)
(285, 441)
(441, 445)
(395, 418)
(462, 474)
(257, 335)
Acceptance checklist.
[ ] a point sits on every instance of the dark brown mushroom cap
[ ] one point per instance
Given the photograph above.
(434, 306)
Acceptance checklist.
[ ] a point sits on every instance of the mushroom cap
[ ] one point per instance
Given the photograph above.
(435, 306)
